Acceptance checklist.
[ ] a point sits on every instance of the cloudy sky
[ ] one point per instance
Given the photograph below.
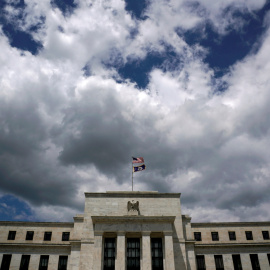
(87, 84)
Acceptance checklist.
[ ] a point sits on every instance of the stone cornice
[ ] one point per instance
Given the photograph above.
(37, 224)
(231, 245)
(230, 224)
(131, 194)
(34, 245)
(132, 219)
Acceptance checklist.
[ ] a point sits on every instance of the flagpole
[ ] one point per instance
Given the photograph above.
(132, 174)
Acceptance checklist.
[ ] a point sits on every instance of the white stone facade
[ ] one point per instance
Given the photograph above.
(135, 230)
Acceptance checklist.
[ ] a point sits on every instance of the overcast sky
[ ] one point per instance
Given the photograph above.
(87, 84)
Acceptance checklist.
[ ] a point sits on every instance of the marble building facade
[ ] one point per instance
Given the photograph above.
(132, 231)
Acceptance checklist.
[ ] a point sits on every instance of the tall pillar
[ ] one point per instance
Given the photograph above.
(146, 251)
(120, 260)
(97, 260)
(169, 253)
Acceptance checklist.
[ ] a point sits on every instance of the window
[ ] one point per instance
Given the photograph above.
(215, 236)
(219, 262)
(237, 262)
(197, 236)
(268, 256)
(249, 235)
(254, 261)
(43, 263)
(65, 236)
(47, 236)
(62, 264)
(232, 236)
(157, 253)
(29, 235)
(11, 235)
(133, 253)
(200, 262)
(25, 262)
(6, 262)
(265, 235)
(109, 254)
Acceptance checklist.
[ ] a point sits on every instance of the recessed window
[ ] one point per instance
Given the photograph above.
(197, 236)
(232, 236)
(215, 236)
(157, 254)
(254, 261)
(109, 254)
(6, 262)
(268, 256)
(265, 235)
(65, 236)
(47, 236)
(24, 262)
(200, 262)
(43, 263)
(237, 262)
(133, 253)
(219, 262)
(62, 264)
(11, 235)
(29, 235)
(249, 235)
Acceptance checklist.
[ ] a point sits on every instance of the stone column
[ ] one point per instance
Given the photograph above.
(146, 251)
(120, 260)
(169, 253)
(98, 251)
(263, 260)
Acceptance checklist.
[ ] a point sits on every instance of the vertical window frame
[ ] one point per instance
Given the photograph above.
(232, 235)
(198, 236)
(47, 236)
(25, 260)
(62, 262)
(200, 262)
(249, 235)
(6, 259)
(29, 235)
(157, 253)
(237, 263)
(215, 236)
(65, 236)
(265, 235)
(219, 262)
(254, 259)
(11, 235)
(43, 258)
(109, 253)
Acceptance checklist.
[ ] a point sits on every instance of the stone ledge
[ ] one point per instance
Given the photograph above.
(131, 194)
(35, 244)
(230, 224)
(37, 224)
(132, 219)
(231, 245)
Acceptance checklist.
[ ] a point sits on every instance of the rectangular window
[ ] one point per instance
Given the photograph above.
(24, 262)
(254, 261)
(219, 262)
(268, 256)
(133, 253)
(65, 236)
(62, 264)
(215, 236)
(6, 262)
(47, 236)
(232, 236)
(43, 263)
(237, 262)
(29, 235)
(157, 253)
(265, 235)
(11, 235)
(197, 236)
(249, 235)
(200, 262)
(109, 254)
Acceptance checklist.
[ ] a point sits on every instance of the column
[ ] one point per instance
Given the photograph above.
(246, 263)
(146, 251)
(98, 251)
(120, 260)
(169, 253)
(210, 262)
(228, 262)
(263, 260)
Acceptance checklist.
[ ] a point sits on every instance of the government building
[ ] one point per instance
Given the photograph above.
(134, 231)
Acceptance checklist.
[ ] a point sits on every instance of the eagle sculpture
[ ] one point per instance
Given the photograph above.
(133, 206)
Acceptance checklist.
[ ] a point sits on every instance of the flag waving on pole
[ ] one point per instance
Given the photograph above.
(137, 160)
(139, 168)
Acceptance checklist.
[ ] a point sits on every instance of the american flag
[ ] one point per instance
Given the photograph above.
(137, 160)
